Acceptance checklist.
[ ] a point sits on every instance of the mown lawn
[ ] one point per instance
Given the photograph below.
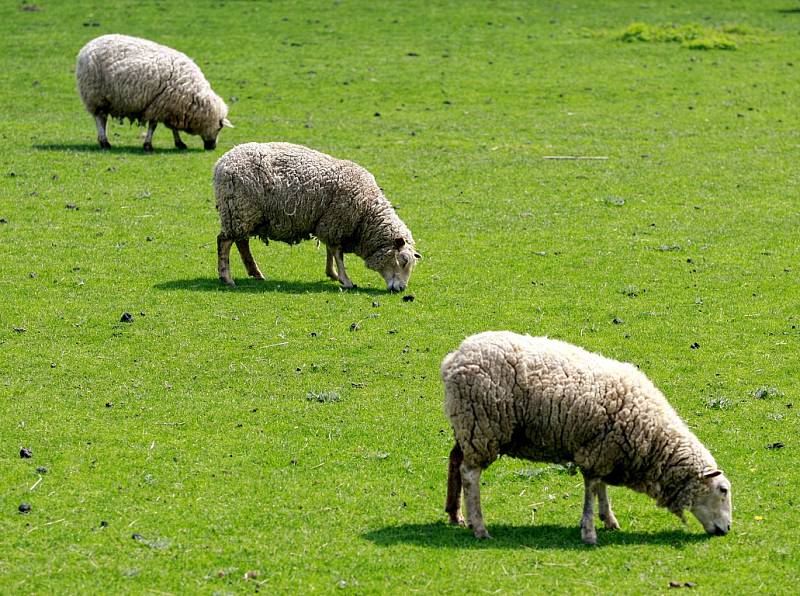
(228, 441)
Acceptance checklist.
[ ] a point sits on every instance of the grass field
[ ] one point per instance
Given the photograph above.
(229, 441)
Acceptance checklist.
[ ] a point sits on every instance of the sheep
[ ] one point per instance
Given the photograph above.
(286, 192)
(546, 400)
(129, 77)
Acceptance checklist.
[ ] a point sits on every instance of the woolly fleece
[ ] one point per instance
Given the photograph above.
(286, 192)
(128, 77)
(547, 400)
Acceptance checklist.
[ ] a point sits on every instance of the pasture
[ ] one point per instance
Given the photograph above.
(289, 437)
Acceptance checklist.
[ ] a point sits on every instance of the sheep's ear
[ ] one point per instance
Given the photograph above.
(417, 256)
(399, 243)
(710, 473)
(227, 123)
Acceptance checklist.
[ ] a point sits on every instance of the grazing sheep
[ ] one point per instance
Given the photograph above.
(129, 77)
(280, 191)
(547, 400)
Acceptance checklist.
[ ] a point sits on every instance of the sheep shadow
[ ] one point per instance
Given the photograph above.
(443, 535)
(126, 149)
(255, 286)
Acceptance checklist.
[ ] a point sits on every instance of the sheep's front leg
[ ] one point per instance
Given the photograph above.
(179, 144)
(471, 477)
(342, 277)
(247, 258)
(604, 504)
(100, 120)
(223, 260)
(148, 139)
(588, 533)
(330, 270)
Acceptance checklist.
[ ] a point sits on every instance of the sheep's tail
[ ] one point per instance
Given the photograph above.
(453, 504)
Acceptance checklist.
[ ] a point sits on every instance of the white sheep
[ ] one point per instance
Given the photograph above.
(286, 192)
(547, 400)
(128, 77)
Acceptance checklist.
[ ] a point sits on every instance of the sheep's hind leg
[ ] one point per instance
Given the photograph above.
(471, 477)
(148, 139)
(247, 258)
(179, 144)
(330, 270)
(101, 120)
(588, 533)
(223, 260)
(342, 277)
(453, 503)
(609, 520)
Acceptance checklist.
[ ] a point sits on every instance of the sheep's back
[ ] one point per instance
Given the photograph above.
(282, 189)
(129, 77)
(542, 399)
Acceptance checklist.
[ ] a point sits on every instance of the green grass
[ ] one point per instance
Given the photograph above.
(692, 35)
(253, 431)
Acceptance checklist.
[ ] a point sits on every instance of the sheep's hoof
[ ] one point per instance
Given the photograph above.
(148, 147)
(105, 144)
(457, 521)
(180, 145)
(611, 524)
(228, 282)
(589, 537)
(482, 534)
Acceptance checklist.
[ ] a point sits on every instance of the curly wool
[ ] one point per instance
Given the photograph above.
(128, 77)
(286, 192)
(547, 400)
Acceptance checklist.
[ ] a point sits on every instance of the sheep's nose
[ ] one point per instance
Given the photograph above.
(720, 531)
(210, 145)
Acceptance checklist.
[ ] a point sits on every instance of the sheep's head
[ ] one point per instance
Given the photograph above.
(711, 502)
(395, 264)
(211, 118)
